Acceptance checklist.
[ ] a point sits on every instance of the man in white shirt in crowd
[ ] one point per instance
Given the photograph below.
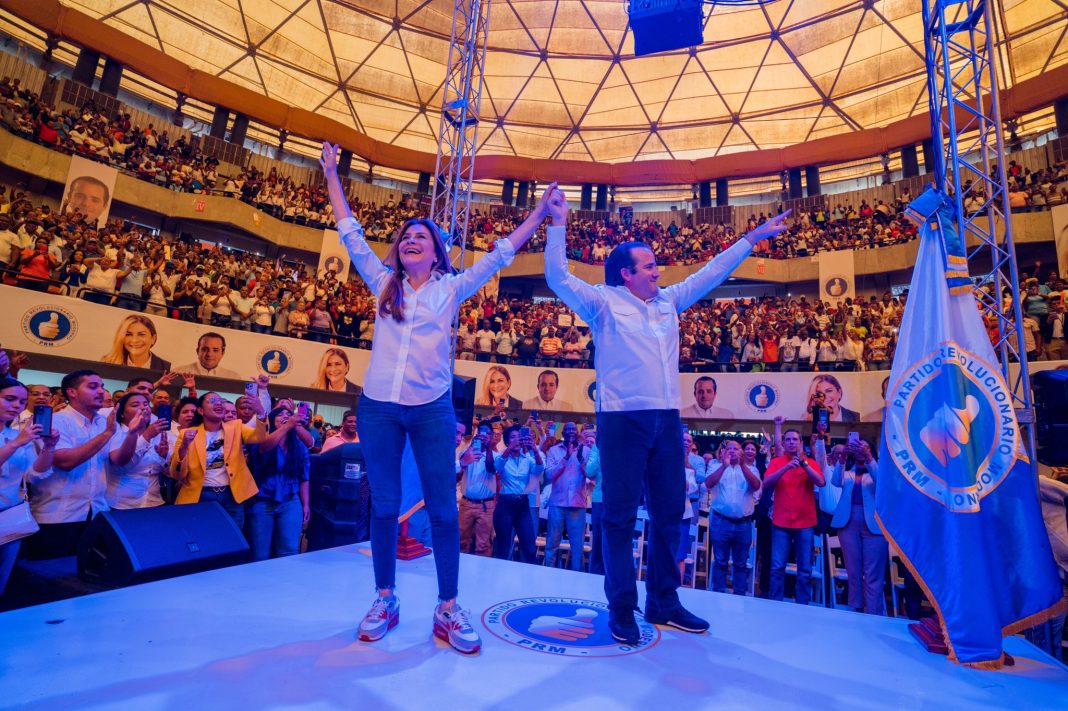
(565, 468)
(101, 279)
(65, 501)
(505, 342)
(733, 485)
(635, 325)
(346, 435)
(478, 492)
(9, 243)
(548, 384)
(211, 347)
(1056, 348)
(704, 401)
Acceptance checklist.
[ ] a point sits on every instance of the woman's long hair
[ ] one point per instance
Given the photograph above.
(391, 301)
(320, 381)
(486, 398)
(117, 355)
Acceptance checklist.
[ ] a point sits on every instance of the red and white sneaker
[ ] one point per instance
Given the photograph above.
(453, 625)
(380, 619)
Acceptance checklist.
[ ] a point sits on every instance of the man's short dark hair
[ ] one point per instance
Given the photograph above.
(621, 257)
(135, 381)
(793, 429)
(212, 334)
(704, 378)
(549, 372)
(92, 181)
(347, 414)
(73, 380)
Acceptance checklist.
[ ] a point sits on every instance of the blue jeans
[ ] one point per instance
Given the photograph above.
(730, 542)
(226, 500)
(431, 428)
(596, 530)
(641, 448)
(573, 518)
(269, 521)
(511, 518)
(781, 541)
(8, 553)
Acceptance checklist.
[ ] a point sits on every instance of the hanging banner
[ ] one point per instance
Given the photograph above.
(333, 257)
(1060, 234)
(65, 326)
(837, 281)
(89, 190)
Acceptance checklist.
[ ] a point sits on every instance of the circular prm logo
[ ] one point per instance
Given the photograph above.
(563, 626)
(275, 361)
(952, 429)
(591, 390)
(49, 325)
(836, 287)
(761, 396)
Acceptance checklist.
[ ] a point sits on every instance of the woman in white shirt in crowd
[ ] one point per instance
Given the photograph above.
(864, 548)
(20, 452)
(137, 455)
(407, 394)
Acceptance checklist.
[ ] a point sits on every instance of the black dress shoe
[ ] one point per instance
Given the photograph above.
(623, 627)
(680, 618)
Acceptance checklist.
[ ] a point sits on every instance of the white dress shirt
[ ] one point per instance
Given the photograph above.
(731, 496)
(134, 485)
(70, 496)
(197, 369)
(410, 359)
(637, 355)
(17, 466)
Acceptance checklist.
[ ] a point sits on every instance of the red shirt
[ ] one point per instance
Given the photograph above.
(795, 501)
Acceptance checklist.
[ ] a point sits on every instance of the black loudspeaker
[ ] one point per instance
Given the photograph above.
(705, 193)
(507, 188)
(139, 545)
(340, 498)
(1051, 416)
(463, 400)
(586, 197)
(661, 25)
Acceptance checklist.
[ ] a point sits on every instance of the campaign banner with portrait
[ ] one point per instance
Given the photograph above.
(837, 278)
(89, 190)
(64, 326)
(1060, 235)
(333, 257)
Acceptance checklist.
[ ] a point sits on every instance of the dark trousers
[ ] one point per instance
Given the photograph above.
(54, 540)
(511, 518)
(596, 533)
(641, 448)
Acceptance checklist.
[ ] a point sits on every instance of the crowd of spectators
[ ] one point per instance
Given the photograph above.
(42, 249)
(150, 154)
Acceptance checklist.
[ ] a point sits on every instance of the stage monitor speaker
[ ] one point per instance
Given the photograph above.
(463, 400)
(140, 545)
(1051, 416)
(662, 25)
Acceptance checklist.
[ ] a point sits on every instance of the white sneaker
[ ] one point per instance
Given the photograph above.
(380, 619)
(454, 626)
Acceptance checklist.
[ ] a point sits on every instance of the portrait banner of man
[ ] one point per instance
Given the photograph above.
(89, 190)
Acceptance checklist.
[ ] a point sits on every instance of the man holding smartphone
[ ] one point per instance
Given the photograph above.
(794, 477)
(478, 486)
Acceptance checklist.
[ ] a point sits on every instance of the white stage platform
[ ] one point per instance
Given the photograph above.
(280, 635)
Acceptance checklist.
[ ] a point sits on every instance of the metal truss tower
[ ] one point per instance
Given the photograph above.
(458, 133)
(969, 165)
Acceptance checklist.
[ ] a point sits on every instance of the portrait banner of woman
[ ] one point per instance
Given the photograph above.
(831, 389)
(133, 343)
(333, 373)
(495, 386)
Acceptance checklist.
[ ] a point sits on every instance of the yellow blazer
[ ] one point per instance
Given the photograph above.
(190, 471)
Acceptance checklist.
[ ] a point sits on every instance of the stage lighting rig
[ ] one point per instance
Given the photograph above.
(663, 25)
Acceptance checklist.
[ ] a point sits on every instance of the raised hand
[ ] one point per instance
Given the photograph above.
(769, 229)
(329, 158)
(30, 433)
(546, 197)
(187, 438)
(558, 207)
(111, 423)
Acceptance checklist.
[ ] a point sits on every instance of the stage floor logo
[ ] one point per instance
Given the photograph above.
(563, 626)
